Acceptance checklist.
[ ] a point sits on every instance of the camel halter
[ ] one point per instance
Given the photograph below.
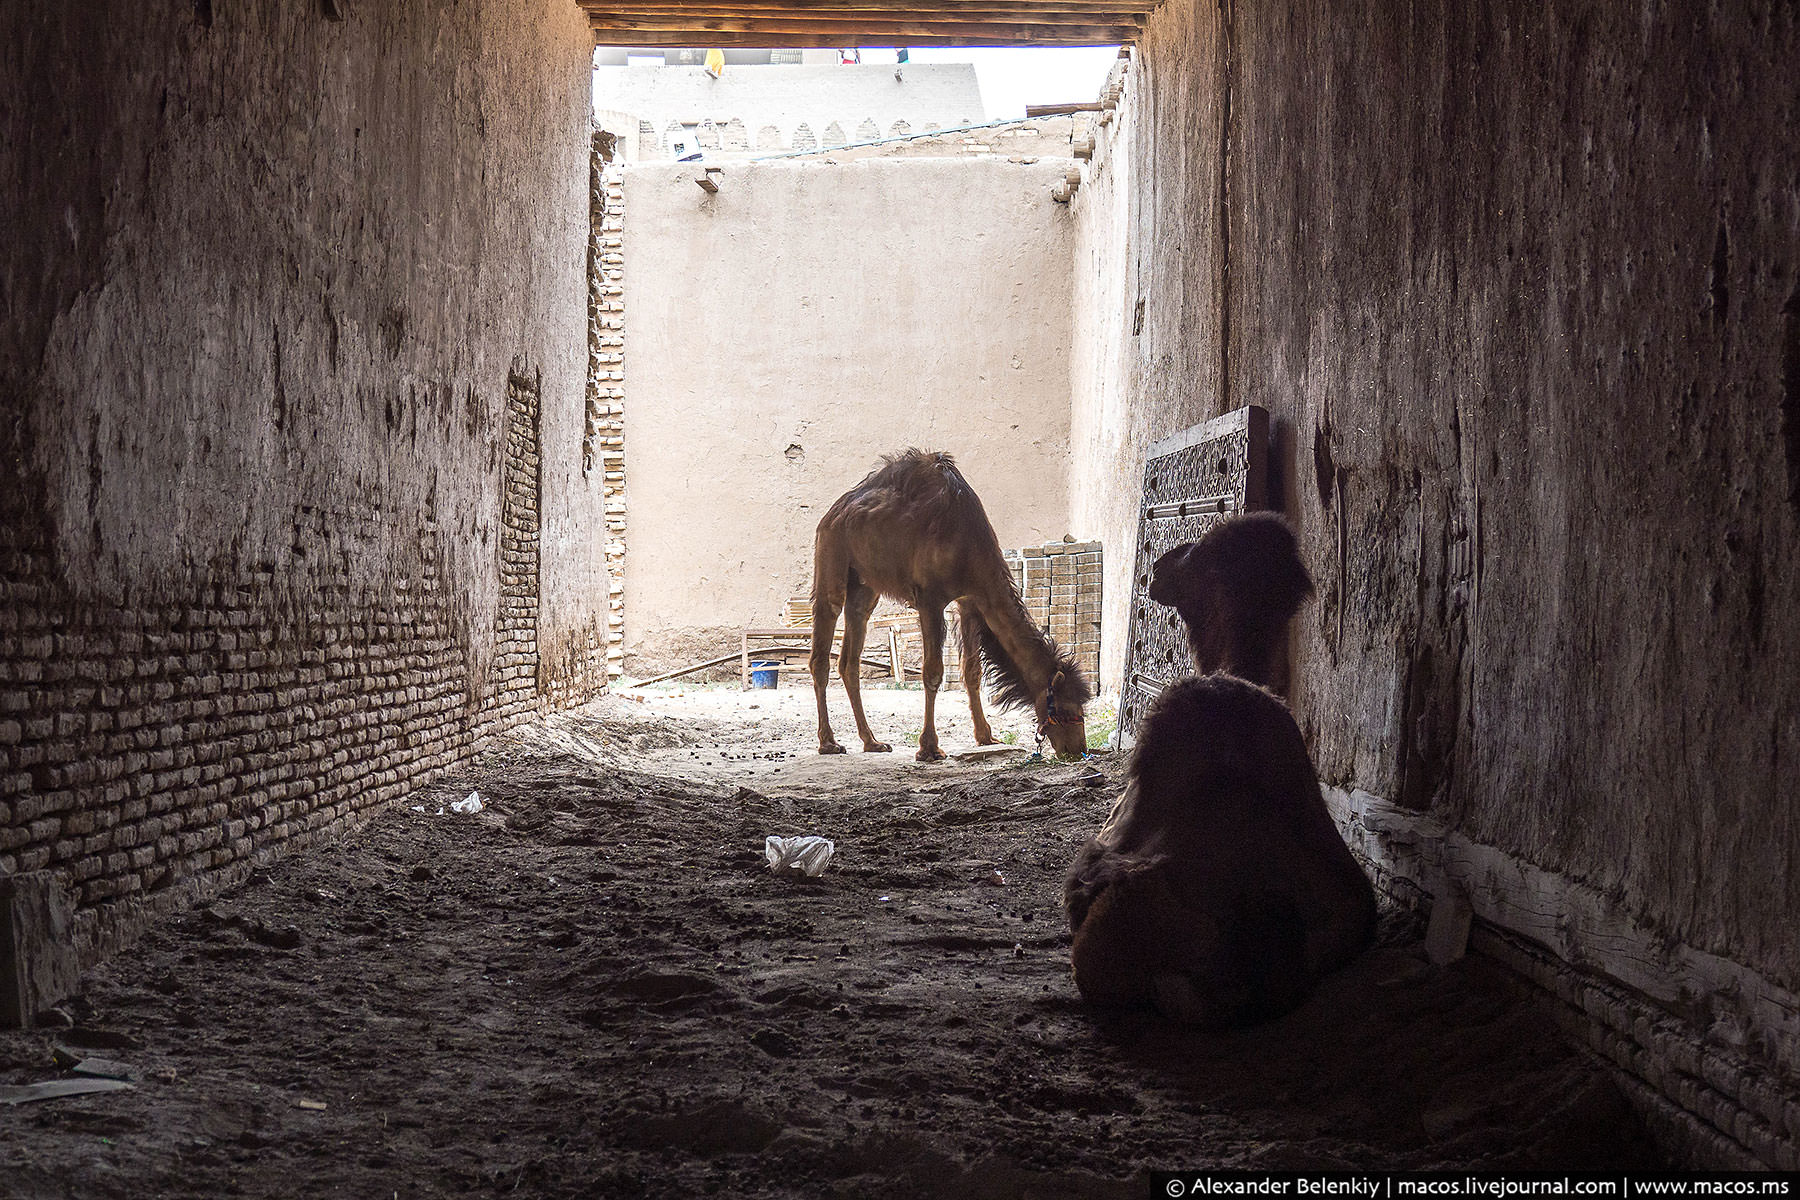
(1050, 717)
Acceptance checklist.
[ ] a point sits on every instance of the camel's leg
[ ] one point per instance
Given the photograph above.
(931, 628)
(1140, 942)
(972, 625)
(859, 602)
(831, 571)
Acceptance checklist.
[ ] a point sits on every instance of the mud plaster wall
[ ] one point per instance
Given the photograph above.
(1518, 285)
(292, 352)
(808, 317)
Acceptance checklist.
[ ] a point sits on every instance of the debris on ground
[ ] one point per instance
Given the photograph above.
(807, 856)
(608, 993)
(57, 1089)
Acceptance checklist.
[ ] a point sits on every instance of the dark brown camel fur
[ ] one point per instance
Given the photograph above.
(915, 530)
(1219, 889)
(1236, 590)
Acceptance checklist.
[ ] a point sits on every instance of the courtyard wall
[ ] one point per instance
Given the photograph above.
(806, 318)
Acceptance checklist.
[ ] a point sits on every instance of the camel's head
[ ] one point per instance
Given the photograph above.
(1236, 589)
(1061, 716)
(1187, 579)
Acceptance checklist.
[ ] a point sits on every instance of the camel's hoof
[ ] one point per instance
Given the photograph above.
(876, 747)
(989, 740)
(931, 754)
(831, 748)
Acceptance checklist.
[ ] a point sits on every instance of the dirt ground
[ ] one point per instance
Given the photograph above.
(595, 987)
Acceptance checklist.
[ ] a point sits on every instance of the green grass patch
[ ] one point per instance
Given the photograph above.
(1102, 719)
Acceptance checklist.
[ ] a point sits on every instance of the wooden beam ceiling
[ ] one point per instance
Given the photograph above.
(782, 23)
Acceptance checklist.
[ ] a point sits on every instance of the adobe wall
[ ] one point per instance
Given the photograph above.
(807, 318)
(1518, 286)
(1032, 138)
(292, 382)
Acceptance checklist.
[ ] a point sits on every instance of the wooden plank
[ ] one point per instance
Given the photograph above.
(728, 18)
(1058, 110)
(652, 43)
(871, 35)
(914, 10)
(55, 1089)
(809, 20)
(37, 947)
(725, 658)
(884, 26)
(687, 670)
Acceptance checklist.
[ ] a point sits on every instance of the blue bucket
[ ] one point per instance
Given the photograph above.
(764, 674)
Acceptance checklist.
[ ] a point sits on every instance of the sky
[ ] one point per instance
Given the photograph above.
(1012, 77)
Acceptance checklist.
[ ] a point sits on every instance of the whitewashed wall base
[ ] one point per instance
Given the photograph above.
(1715, 1042)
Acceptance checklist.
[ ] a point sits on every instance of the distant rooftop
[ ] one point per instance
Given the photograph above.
(915, 96)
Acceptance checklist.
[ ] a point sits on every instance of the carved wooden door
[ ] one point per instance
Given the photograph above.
(1192, 480)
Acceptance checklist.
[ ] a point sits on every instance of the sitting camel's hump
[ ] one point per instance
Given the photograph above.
(1225, 730)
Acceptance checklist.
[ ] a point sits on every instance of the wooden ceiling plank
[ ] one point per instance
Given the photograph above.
(724, 17)
(1017, 35)
(841, 28)
(905, 9)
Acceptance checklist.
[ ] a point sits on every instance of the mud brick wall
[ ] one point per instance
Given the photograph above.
(606, 389)
(1062, 585)
(148, 748)
(290, 421)
(593, 659)
(746, 300)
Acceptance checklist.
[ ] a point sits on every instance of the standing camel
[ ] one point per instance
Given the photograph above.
(915, 530)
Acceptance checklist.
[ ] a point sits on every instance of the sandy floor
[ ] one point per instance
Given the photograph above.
(594, 987)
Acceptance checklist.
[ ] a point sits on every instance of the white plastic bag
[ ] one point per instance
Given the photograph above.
(468, 807)
(798, 855)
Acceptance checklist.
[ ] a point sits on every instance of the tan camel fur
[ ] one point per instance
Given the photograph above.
(1219, 889)
(915, 530)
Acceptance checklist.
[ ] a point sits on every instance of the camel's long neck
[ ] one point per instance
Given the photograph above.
(1023, 642)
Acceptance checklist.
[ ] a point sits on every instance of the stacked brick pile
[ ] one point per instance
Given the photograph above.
(1061, 586)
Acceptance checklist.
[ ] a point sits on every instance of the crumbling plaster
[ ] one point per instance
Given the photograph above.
(291, 375)
(282, 266)
(1517, 284)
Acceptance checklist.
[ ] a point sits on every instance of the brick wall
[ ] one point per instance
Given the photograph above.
(154, 750)
(604, 445)
(598, 658)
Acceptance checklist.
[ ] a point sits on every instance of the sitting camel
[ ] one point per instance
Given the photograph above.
(1219, 890)
(915, 530)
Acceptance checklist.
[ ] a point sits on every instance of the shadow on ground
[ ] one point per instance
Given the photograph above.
(594, 987)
